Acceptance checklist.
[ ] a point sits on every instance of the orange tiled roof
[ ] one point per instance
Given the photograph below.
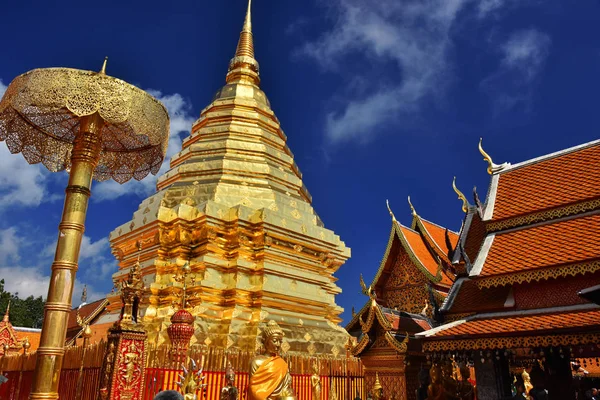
(34, 338)
(471, 298)
(438, 234)
(421, 251)
(565, 242)
(84, 312)
(553, 182)
(523, 324)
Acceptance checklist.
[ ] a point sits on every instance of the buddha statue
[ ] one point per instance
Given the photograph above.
(526, 381)
(465, 389)
(269, 375)
(449, 381)
(315, 383)
(435, 391)
(377, 388)
(229, 392)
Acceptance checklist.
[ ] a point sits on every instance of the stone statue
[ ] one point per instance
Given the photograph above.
(269, 374)
(315, 383)
(229, 392)
(465, 389)
(526, 381)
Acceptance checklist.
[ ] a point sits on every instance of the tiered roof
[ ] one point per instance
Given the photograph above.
(540, 221)
(15, 336)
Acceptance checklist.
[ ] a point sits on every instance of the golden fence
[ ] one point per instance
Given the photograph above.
(162, 373)
(18, 368)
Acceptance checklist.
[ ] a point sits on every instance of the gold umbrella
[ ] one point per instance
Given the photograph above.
(96, 127)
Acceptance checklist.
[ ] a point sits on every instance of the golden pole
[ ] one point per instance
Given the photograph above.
(84, 158)
(87, 333)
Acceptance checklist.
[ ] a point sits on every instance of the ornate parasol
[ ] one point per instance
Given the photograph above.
(96, 127)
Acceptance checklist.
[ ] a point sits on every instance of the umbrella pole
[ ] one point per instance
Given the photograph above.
(84, 159)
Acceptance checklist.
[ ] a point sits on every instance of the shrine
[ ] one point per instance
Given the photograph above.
(523, 257)
(405, 297)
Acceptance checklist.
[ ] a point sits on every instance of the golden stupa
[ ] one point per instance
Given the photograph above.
(233, 210)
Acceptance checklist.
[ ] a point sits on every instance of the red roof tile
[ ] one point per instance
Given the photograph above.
(553, 182)
(524, 324)
(438, 234)
(565, 242)
(84, 312)
(421, 251)
(470, 298)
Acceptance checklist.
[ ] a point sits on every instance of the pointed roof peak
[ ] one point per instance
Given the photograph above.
(243, 66)
(6, 314)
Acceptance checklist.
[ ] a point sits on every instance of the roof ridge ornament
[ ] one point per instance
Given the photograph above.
(387, 203)
(7, 313)
(492, 168)
(461, 196)
(412, 208)
(103, 69)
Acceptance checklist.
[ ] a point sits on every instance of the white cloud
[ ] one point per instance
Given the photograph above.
(413, 34)
(9, 246)
(523, 56)
(526, 51)
(2, 88)
(21, 184)
(31, 281)
(181, 123)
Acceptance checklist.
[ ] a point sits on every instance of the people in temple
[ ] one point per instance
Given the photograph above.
(168, 395)
(269, 374)
(229, 392)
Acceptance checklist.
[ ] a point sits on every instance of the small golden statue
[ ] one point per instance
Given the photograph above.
(229, 392)
(191, 381)
(526, 381)
(269, 374)
(377, 388)
(315, 382)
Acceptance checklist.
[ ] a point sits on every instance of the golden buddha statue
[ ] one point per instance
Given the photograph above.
(269, 375)
(465, 389)
(315, 383)
(526, 381)
(377, 388)
(435, 391)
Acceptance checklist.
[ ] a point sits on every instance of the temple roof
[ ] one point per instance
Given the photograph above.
(88, 313)
(519, 323)
(551, 182)
(570, 241)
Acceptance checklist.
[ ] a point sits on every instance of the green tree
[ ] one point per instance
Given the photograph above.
(27, 312)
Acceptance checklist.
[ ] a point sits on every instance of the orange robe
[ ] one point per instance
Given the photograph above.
(267, 378)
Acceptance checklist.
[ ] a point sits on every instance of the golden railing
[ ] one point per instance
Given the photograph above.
(346, 374)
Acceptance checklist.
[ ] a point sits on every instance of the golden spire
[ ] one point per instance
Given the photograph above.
(461, 196)
(412, 208)
(103, 69)
(6, 314)
(243, 67)
(387, 203)
(377, 384)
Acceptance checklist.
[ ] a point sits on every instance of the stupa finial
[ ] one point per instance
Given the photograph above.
(103, 69)
(6, 314)
(243, 66)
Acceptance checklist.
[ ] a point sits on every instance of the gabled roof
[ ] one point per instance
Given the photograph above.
(441, 240)
(567, 243)
(413, 243)
(540, 188)
(88, 313)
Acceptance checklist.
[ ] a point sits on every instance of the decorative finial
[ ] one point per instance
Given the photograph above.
(387, 203)
(492, 168)
(412, 208)
(103, 69)
(377, 384)
(461, 196)
(84, 294)
(248, 20)
(6, 314)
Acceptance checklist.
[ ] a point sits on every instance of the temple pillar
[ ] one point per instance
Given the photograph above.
(493, 378)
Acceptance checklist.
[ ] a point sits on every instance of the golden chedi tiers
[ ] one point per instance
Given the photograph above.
(233, 207)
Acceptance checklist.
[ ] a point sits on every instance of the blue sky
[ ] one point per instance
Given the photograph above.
(379, 100)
